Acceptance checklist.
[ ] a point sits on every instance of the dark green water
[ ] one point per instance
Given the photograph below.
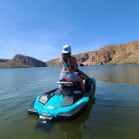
(113, 115)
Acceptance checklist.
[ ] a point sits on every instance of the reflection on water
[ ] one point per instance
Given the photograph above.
(113, 115)
(74, 129)
(116, 73)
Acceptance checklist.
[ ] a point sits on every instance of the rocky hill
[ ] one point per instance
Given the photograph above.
(22, 61)
(111, 54)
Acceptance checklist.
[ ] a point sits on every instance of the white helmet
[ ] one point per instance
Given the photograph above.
(66, 49)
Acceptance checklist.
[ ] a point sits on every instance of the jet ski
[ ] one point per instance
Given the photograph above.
(65, 102)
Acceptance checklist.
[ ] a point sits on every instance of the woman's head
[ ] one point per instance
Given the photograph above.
(66, 49)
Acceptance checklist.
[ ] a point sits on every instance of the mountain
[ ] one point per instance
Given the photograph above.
(111, 54)
(21, 61)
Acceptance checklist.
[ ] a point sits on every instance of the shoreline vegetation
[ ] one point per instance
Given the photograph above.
(110, 54)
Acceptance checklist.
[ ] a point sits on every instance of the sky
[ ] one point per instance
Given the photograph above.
(40, 28)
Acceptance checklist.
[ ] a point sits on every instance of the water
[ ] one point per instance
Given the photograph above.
(113, 115)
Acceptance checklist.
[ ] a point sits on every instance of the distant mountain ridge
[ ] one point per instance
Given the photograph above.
(111, 54)
(20, 60)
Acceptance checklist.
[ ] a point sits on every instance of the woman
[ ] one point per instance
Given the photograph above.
(69, 66)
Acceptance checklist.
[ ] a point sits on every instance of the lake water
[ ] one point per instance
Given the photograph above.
(113, 115)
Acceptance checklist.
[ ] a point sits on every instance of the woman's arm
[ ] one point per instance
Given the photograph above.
(60, 61)
(74, 64)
